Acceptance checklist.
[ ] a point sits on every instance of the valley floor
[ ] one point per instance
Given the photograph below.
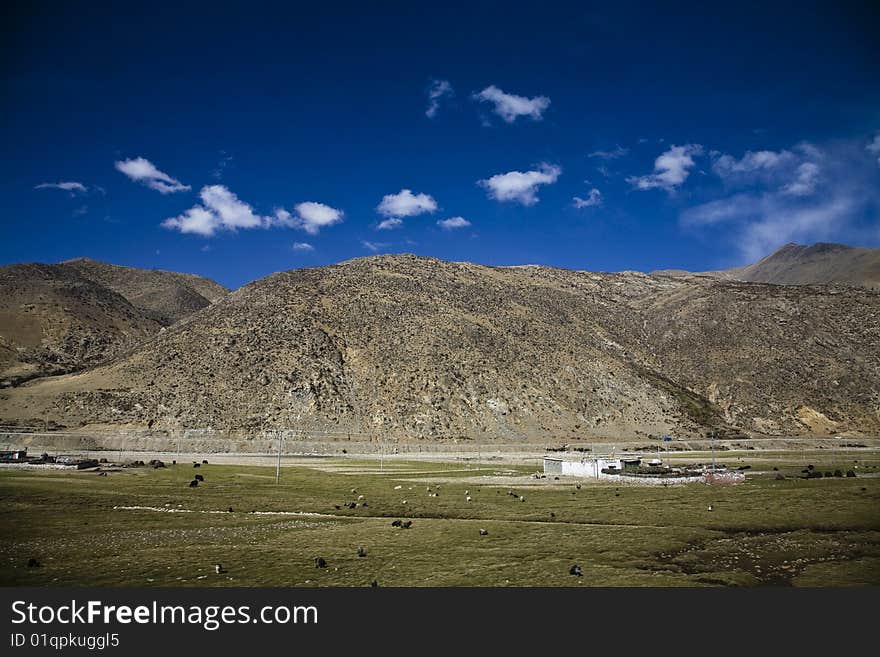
(147, 527)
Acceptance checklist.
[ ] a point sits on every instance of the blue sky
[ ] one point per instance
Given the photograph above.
(237, 140)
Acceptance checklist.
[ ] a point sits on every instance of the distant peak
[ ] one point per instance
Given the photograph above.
(818, 247)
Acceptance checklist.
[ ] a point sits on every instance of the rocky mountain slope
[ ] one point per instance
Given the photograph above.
(425, 349)
(164, 296)
(794, 264)
(69, 316)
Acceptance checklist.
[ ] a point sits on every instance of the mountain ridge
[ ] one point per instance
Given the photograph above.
(822, 263)
(424, 349)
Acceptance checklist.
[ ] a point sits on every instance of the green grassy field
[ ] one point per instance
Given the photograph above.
(822, 532)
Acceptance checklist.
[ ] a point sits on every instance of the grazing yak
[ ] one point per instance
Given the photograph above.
(194, 483)
(320, 562)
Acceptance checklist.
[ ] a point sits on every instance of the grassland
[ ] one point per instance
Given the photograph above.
(767, 531)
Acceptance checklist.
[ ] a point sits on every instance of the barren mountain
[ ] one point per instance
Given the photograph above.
(794, 264)
(422, 348)
(161, 295)
(53, 320)
(65, 317)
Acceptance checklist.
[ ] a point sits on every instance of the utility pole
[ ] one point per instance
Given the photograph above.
(712, 442)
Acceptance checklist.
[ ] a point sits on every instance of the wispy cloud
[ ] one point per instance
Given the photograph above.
(375, 247)
(438, 90)
(753, 162)
(807, 177)
(390, 224)
(302, 246)
(671, 169)
(613, 154)
(874, 147)
(813, 194)
(594, 199)
(406, 204)
(510, 106)
(225, 159)
(72, 187)
(453, 222)
(520, 186)
(145, 172)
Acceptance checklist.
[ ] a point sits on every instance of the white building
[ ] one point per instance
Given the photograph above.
(584, 467)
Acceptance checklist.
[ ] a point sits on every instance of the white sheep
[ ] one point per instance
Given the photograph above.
(468, 498)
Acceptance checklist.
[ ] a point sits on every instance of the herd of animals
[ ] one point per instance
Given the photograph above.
(320, 562)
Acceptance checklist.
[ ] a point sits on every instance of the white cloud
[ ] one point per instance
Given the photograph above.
(375, 246)
(796, 171)
(671, 169)
(312, 217)
(520, 186)
(231, 212)
(613, 154)
(222, 210)
(196, 220)
(438, 90)
(390, 224)
(406, 204)
(509, 106)
(302, 246)
(594, 199)
(142, 170)
(71, 187)
(453, 222)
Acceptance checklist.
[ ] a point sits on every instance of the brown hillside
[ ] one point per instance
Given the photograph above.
(422, 348)
(164, 296)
